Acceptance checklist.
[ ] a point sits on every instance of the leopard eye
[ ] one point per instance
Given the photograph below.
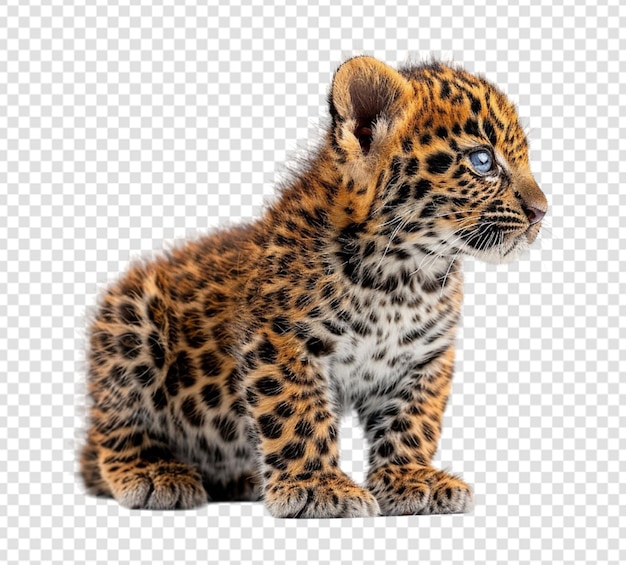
(481, 160)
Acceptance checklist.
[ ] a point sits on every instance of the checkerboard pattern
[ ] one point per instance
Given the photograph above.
(126, 127)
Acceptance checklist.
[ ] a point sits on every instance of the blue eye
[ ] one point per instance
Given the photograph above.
(481, 160)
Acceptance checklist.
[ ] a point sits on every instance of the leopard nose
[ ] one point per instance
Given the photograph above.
(532, 200)
(533, 214)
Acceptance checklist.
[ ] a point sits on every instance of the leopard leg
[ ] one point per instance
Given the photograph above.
(297, 429)
(140, 472)
(124, 457)
(403, 431)
(127, 453)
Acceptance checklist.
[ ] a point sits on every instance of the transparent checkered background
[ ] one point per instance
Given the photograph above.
(126, 128)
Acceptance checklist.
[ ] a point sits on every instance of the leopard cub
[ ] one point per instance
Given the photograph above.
(220, 371)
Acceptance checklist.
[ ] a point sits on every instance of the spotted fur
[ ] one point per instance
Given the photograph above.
(221, 370)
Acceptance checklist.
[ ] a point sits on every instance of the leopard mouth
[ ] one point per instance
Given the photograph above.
(532, 232)
(520, 243)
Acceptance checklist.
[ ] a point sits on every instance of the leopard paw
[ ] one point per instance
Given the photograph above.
(412, 489)
(399, 491)
(449, 495)
(325, 496)
(158, 486)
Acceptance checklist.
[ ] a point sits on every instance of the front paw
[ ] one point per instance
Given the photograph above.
(449, 495)
(412, 489)
(400, 490)
(327, 495)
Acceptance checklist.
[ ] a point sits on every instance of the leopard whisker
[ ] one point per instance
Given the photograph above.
(391, 238)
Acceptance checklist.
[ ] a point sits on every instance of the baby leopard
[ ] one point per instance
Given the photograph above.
(221, 370)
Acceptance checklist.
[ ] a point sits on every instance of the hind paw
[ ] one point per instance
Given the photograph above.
(159, 486)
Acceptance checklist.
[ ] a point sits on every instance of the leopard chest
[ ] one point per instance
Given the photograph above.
(385, 341)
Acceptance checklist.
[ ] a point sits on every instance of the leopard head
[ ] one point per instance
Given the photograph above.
(436, 157)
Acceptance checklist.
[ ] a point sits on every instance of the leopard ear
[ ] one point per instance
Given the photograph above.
(365, 93)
